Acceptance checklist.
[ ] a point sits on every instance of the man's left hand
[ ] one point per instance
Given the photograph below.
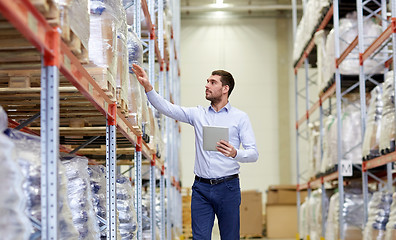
(226, 149)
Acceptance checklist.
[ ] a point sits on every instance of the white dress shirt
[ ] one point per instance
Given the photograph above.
(213, 164)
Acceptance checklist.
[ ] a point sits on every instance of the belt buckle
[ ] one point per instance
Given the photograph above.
(212, 181)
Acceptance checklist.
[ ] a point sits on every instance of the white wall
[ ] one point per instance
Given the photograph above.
(248, 49)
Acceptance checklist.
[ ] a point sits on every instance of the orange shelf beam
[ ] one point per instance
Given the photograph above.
(27, 20)
(379, 161)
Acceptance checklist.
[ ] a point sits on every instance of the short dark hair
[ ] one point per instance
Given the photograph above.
(226, 79)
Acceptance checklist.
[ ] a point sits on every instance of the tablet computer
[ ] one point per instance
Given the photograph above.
(212, 135)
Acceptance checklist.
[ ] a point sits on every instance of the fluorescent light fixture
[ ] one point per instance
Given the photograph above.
(219, 2)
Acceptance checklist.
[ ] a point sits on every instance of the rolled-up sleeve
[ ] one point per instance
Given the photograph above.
(249, 152)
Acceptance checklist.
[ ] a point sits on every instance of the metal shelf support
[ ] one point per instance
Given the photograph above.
(49, 111)
(138, 186)
(111, 173)
(152, 197)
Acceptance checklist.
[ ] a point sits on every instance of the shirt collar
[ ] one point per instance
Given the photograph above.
(227, 108)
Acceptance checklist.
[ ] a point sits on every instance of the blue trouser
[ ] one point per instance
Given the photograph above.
(222, 199)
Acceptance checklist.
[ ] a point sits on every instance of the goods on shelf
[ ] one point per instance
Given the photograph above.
(320, 42)
(103, 44)
(314, 149)
(79, 195)
(14, 223)
(352, 213)
(306, 28)
(75, 26)
(122, 77)
(387, 137)
(350, 66)
(125, 207)
(28, 157)
(378, 215)
(391, 225)
(97, 177)
(351, 135)
(370, 147)
(311, 215)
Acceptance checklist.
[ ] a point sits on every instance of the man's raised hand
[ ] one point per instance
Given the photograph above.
(142, 77)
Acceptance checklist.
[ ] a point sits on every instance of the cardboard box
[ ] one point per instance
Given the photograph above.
(251, 213)
(281, 221)
(284, 194)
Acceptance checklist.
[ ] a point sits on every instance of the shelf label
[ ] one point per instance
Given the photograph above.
(346, 168)
(32, 22)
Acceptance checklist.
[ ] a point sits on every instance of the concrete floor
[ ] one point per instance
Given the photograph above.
(216, 234)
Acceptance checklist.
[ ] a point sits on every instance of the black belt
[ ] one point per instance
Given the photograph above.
(214, 181)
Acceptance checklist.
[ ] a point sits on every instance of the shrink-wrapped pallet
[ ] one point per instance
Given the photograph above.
(80, 197)
(352, 214)
(378, 216)
(312, 15)
(370, 148)
(97, 176)
(103, 44)
(387, 136)
(28, 158)
(122, 77)
(135, 90)
(14, 223)
(313, 148)
(391, 225)
(350, 66)
(126, 209)
(351, 135)
(304, 220)
(320, 42)
(315, 214)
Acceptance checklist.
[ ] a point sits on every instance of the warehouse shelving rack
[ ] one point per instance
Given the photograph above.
(389, 31)
(57, 57)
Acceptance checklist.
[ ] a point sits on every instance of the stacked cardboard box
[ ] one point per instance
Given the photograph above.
(281, 211)
(251, 214)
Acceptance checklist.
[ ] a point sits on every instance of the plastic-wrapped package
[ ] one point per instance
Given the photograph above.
(3, 120)
(306, 27)
(352, 214)
(135, 101)
(80, 197)
(350, 65)
(135, 49)
(313, 150)
(304, 219)
(378, 216)
(320, 42)
(14, 223)
(103, 42)
(122, 77)
(370, 147)
(315, 214)
(387, 136)
(125, 207)
(391, 225)
(329, 142)
(97, 176)
(351, 134)
(28, 158)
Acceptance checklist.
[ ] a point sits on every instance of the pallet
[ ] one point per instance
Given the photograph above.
(122, 102)
(104, 79)
(49, 9)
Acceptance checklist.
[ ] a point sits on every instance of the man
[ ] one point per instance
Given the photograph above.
(216, 189)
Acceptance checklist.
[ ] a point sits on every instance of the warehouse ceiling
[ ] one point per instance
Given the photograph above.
(237, 8)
